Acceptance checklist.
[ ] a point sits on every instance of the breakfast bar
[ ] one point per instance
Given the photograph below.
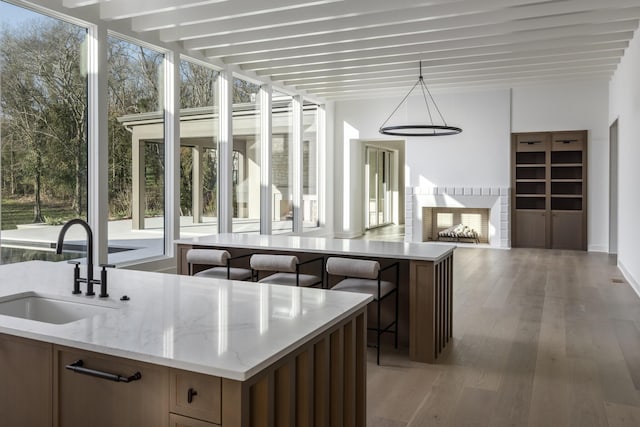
(426, 278)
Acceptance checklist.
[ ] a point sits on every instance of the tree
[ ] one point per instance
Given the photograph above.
(44, 103)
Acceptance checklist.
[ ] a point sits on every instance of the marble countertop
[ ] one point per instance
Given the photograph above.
(226, 328)
(368, 248)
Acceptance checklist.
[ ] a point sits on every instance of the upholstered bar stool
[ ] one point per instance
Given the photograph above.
(286, 270)
(365, 276)
(221, 260)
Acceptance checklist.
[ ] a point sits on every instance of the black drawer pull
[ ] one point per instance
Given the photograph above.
(567, 141)
(190, 393)
(530, 142)
(78, 367)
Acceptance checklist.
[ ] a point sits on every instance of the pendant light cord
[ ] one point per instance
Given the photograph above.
(401, 102)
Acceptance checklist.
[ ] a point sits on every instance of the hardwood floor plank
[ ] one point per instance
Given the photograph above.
(629, 340)
(622, 415)
(474, 407)
(540, 338)
(586, 405)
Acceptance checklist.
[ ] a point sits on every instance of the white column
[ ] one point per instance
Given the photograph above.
(265, 159)
(321, 181)
(171, 151)
(196, 186)
(225, 152)
(98, 141)
(138, 195)
(296, 171)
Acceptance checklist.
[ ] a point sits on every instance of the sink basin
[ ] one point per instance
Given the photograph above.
(49, 309)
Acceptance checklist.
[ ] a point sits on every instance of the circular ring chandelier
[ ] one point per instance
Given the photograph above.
(429, 129)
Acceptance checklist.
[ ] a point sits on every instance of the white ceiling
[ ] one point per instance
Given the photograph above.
(340, 49)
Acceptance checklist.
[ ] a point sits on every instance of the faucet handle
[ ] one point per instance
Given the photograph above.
(73, 262)
(103, 279)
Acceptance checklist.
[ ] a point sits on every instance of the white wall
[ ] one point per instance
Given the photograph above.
(624, 105)
(574, 106)
(479, 156)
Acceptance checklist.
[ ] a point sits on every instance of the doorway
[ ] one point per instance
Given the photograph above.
(378, 176)
(613, 188)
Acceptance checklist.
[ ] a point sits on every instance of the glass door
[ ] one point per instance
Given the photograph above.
(377, 186)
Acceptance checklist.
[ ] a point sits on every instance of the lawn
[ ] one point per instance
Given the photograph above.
(20, 211)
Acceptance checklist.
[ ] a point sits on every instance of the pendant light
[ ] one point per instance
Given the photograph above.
(429, 129)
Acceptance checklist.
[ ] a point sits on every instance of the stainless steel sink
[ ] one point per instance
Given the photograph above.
(51, 309)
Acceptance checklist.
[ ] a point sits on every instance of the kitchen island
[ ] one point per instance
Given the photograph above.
(425, 288)
(209, 352)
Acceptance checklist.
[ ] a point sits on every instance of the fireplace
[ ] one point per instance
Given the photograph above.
(451, 203)
(436, 220)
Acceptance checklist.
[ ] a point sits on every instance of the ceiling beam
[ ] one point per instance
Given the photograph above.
(345, 14)
(541, 39)
(439, 76)
(404, 21)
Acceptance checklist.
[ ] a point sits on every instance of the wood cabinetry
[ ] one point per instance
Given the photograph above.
(549, 190)
(86, 400)
(26, 384)
(195, 396)
(319, 382)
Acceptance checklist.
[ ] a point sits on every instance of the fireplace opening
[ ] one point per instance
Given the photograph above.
(455, 224)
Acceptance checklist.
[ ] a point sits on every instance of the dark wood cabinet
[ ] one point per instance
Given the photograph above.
(86, 400)
(549, 190)
(26, 383)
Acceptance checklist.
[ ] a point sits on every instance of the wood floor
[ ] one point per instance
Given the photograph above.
(541, 338)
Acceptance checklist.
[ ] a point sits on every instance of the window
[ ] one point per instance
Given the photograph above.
(43, 130)
(246, 157)
(136, 149)
(310, 168)
(281, 163)
(198, 149)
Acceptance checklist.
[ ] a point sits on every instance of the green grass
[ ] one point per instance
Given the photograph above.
(20, 211)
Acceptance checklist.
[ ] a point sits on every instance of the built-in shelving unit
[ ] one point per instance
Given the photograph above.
(548, 178)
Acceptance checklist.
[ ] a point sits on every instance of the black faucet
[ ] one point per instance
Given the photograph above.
(90, 281)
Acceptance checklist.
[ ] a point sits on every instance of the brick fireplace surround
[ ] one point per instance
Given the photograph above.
(496, 199)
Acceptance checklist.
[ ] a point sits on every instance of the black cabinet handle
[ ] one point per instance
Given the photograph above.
(190, 393)
(567, 141)
(78, 367)
(530, 142)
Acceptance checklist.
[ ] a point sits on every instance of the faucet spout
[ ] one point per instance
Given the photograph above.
(60, 243)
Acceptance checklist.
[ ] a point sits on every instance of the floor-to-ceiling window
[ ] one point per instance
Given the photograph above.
(246, 157)
(378, 186)
(310, 167)
(43, 131)
(198, 149)
(136, 148)
(281, 163)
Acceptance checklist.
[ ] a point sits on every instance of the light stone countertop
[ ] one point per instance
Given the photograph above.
(369, 248)
(219, 327)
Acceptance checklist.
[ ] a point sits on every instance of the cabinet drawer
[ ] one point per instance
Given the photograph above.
(567, 141)
(180, 421)
(195, 395)
(84, 399)
(531, 142)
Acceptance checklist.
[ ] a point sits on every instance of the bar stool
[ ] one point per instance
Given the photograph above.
(286, 270)
(221, 259)
(365, 276)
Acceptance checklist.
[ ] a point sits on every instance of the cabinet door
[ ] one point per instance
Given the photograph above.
(566, 230)
(195, 395)
(180, 421)
(85, 400)
(26, 386)
(531, 229)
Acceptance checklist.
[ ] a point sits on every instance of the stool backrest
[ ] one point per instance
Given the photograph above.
(350, 267)
(208, 256)
(281, 263)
